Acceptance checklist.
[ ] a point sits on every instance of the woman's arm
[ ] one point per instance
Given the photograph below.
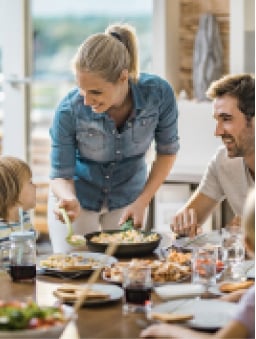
(160, 169)
(64, 190)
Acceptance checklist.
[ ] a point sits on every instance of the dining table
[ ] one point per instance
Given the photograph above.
(101, 321)
(104, 320)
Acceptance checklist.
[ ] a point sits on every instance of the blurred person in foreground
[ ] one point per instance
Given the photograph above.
(231, 171)
(100, 134)
(243, 323)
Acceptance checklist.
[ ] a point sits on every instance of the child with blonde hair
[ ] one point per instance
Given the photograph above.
(17, 194)
(243, 323)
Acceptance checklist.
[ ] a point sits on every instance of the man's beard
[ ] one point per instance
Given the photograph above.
(243, 147)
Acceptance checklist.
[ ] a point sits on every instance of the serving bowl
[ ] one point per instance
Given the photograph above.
(124, 249)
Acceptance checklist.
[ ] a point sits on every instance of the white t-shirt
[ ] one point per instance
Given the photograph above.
(227, 178)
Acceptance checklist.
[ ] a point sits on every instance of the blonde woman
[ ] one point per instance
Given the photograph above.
(16, 191)
(100, 134)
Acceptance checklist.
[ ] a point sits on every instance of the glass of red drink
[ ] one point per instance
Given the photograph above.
(137, 286)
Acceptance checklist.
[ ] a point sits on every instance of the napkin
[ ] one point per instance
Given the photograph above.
(170, 291)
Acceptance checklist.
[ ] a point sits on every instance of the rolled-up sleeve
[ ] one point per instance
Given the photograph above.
(166, 134)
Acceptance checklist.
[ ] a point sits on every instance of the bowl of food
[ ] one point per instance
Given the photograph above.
(130, 243)
(28, 320)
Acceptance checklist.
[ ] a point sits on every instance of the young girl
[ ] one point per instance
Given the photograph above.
(243, 323)
(17, 193)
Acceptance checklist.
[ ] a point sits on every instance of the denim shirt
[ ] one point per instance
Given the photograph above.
(108, 165)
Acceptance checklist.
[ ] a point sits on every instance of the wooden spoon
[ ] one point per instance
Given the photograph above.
(72, 239)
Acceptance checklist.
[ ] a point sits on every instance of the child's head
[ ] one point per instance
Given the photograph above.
(248, 222)
(16, 188)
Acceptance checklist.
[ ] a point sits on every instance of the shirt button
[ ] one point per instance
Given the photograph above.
(129, 124)
(105, 190)
(118, 152)
(118, 136)
(107, 177)
(113, 132)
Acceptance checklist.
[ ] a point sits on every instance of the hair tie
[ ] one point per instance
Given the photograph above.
(117, 36)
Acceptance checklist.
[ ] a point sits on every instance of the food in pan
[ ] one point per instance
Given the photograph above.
(124, 237)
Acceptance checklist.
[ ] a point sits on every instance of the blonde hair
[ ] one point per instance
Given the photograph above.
(108, 54)
(248, 219)
(13, 172)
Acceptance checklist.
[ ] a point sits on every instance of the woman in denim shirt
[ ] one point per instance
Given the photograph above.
(100, 134)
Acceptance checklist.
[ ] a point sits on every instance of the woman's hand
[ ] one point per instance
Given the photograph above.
(134, 211)
(72, 207)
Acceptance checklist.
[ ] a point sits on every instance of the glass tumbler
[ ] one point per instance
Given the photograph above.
(22, 255)
(137, 285)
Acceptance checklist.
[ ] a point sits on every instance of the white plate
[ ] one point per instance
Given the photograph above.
(173, 291)
(209, 314)
(50, 332)
(115, 293)
(100, 257)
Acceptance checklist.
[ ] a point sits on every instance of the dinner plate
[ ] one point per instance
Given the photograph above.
(209, 314)
(49, 332)
(128, 249)
(115, 293)
(88, 257)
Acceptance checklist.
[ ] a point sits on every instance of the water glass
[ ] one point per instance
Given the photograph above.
(137, 286)
(233, 253)
(204, 266)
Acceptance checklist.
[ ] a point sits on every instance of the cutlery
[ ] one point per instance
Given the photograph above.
(193, 240)
(72, 239)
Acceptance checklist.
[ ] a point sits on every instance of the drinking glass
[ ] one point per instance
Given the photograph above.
(137, 286)
(233, 253)
(204, 266)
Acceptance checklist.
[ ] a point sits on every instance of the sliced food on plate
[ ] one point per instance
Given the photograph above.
(227, 287)
(75, 261)
(95, 294)
(70, 292)
(161, 271)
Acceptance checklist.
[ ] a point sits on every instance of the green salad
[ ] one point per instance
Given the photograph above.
(16, 315)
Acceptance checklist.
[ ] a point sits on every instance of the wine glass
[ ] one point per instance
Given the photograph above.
(204, 266)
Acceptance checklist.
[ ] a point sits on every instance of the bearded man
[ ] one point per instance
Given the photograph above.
(231, 172)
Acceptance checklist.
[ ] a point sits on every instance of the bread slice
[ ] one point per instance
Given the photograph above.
(234, 286)
(70, 292)
(171, 317)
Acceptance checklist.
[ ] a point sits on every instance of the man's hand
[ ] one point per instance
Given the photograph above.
(72, 207)
(185, 223)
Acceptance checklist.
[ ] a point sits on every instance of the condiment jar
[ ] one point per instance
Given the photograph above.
(22, 256)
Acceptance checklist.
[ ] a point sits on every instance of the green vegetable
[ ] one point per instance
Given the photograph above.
(128, 225)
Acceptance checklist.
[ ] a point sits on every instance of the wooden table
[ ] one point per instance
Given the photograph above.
(104, 321)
